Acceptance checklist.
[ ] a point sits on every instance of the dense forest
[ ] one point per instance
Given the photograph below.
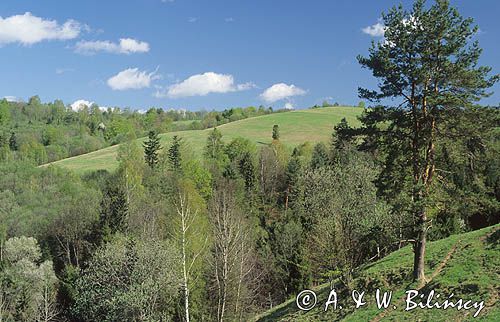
(172, 237)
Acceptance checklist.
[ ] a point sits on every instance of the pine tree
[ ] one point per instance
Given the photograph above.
(174, 154)
(276, 132)
(151, 149)
(427, 66)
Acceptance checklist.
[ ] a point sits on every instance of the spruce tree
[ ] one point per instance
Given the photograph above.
(320, 157)
(151, 149)
(247, 170)
(174, 154)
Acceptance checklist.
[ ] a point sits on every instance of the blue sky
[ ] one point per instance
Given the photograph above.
(199, 54)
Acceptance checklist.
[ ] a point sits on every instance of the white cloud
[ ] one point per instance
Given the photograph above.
(192, 19)
(12, 99)
(28, 29)
(289, 106)
(281, 91)
(80, 104)
(229, 19)
(132, 78)
(203, 84)
(125, 46)
(376, 30)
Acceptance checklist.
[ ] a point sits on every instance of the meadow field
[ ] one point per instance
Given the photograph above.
(296, 127)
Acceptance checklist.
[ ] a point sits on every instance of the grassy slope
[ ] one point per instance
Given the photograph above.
(295, 127)
(466, 265)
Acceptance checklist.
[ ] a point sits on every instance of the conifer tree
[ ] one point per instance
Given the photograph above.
(151, 149)
(174, 154)
(13, 142)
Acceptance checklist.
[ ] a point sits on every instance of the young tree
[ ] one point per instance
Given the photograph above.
(191, 235)
(214, 147)
(174, 154)
(276, 132)
(232, 257)
(151, 148)
(428, 66)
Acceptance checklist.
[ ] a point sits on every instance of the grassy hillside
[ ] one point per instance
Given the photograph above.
(295, 127)
(465, 265)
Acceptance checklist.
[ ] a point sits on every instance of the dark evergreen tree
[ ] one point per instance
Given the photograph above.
(114, 210)
(247, 171)
(276, 132)
(320, 157)
(151, 148)
(174, 154)
(13, 142)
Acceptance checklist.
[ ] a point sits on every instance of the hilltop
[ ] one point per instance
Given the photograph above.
(465, 265)
(296, 127)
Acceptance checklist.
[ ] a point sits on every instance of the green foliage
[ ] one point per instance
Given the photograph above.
(276, 132)
(4, 112)
(28, 286)
(428, 66)
(320, 156)
(174, 154)
(127, 280)
(151, 148)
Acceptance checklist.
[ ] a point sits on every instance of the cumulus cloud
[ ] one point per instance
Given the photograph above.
(28, 29)
(125, 46)
(80, 104)
(289, 106)
(203, 84)
(132, 78)
(376, 30)
(281, 91)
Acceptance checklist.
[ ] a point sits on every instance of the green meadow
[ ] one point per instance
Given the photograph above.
(465, 265)
(296, 127)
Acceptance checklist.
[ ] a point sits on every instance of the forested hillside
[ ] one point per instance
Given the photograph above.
(46, 132)
(230, 222)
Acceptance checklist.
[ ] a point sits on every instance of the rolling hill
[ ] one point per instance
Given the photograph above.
(465, 265)
(296, 127)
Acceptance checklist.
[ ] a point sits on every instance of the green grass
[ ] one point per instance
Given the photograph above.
(470, 272)
(295, 128)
